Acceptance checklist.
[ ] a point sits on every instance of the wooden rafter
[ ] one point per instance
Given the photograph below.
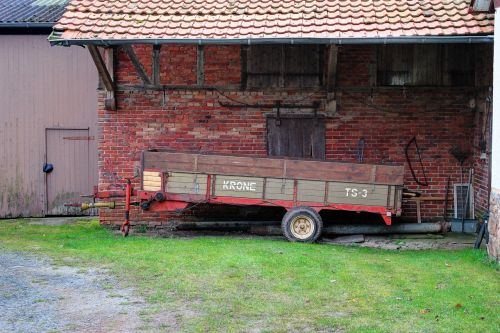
(156, 64)
(137, 64)
(331, 67)
(101, 68)
(200, 65)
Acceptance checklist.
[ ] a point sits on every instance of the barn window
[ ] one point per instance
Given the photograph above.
(282, 66)
(425, 65)
(296, 136)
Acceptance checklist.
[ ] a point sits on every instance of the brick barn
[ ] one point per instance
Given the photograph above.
(382, 82)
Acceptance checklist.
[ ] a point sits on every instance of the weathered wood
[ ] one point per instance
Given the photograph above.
(238, 186)
(244, 66)
(101, 68)
(137, 64)
(156, 64)
(186, 183)
(296, 136)
(200, 65)
(361, 194)
(274, 167)
(427, 65)
(283, 66)
(331, 67)
(105, 75)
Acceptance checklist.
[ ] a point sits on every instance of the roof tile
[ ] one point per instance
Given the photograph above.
(239, 19)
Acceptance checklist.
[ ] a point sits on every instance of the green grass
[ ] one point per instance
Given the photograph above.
(234, 285)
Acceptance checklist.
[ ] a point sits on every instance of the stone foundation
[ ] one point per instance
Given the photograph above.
(494, 225)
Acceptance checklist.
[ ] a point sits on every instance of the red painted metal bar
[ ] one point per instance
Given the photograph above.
(176, 201)
(128, 193)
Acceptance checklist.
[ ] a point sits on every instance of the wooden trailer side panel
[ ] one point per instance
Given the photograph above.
(274, 168)
(279, 189)
(238, 187)
(186, 183)
(360, 194)
(311, 191)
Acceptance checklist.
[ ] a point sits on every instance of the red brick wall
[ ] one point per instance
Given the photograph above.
(194, 121)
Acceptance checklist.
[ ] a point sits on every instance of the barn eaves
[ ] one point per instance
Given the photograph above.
(264, 21)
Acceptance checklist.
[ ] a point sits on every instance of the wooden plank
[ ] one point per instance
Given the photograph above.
(311, 190)
(239, 187)
(279, 189)
(151, 188)
(394, 64)
(274, 168)
(357, 194)
(296, 136)
(248, 166)
(137, 64)
(200, 65)
(156, 64)
(151, 183)
(187, 183)
(151, 178)
(101, 68)
(151, 173)
(427, 68)
(331, 67)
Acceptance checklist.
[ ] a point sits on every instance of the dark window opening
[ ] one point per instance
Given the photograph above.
(296, 136)
(426, 65)
(283, 66)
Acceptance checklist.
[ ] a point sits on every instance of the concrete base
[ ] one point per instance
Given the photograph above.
(494, 225)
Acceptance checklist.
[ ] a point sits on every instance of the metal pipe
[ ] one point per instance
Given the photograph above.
(273, 227)
(89, 205)
(353, 229)
(55, 40)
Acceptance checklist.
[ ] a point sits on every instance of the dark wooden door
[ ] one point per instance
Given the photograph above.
(296, 136)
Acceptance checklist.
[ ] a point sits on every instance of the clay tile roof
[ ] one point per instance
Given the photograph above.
(270, 19)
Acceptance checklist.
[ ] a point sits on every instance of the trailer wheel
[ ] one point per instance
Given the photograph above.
(302, 224)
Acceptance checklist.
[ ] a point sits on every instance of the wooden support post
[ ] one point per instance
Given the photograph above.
(282, 67)
(200, 66)
(104, 74)
(137, 64)
(373, 66)
(244, 66)
(418, 200)
(331, 68)
(331, 78)
(156, 65)
(419, 215)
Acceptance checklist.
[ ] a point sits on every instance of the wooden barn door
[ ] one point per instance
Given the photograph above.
(296, 136)
(68, 150)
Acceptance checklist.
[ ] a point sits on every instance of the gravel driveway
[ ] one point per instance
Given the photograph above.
(37, 296)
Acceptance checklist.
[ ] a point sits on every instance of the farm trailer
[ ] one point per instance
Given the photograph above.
(171, 181)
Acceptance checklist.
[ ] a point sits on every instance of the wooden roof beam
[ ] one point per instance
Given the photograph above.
(106, 78)
(137, 64)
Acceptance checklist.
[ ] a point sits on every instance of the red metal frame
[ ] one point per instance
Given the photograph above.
(174, 202)
(180, 201)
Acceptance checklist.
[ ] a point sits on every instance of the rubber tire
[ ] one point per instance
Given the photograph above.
(301, 210)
